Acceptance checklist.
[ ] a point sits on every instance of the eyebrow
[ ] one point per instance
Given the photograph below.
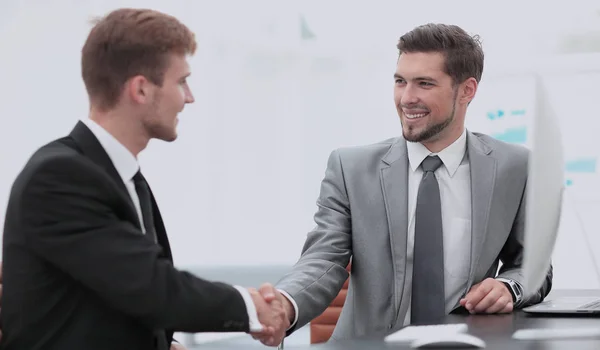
(430, 79)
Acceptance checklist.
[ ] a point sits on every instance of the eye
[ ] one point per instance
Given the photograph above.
(426, 84)
(399, 81)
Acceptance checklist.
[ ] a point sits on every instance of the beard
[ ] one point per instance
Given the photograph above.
(160, 131)
(156, 125)
(431, 131)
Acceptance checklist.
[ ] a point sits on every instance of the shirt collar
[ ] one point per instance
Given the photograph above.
(124, 162)
(451, 156)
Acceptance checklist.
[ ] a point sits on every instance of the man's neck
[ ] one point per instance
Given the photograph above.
(122, 129)
(444, 139)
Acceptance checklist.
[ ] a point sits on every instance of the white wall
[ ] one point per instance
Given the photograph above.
(239, 185)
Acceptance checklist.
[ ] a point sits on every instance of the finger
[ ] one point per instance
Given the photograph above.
(264, 339)
(268, 292)
(499, 306)
(261, 338)
(260, 334)
(266, 331)
(269, 330)
(477, 295)
(271, 342)
(489, 300)
(468, 296)
(508, 308)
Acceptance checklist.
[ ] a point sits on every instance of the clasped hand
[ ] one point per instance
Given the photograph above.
(272, 314)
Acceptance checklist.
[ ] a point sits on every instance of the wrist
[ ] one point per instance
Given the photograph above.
(289, 309)
(514, 289)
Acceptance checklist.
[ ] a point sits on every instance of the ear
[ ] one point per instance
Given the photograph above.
(467, 90)
(138, 89)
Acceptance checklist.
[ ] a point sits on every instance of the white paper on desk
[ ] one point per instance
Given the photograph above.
(411, 333)
(556, 333)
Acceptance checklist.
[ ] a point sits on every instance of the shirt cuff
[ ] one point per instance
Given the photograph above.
(288, 297)
(253, 321)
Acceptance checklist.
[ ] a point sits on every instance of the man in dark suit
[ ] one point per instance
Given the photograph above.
(87, 262)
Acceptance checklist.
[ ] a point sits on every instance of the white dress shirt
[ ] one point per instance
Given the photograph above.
(454, 179)
(127, 166)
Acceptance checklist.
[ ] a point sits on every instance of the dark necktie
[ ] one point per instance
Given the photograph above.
(428, 298)
(143, 192)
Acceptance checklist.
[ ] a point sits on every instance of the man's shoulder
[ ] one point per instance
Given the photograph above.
(56, 155)
(503, 148)
(59, 150)
(375, 150)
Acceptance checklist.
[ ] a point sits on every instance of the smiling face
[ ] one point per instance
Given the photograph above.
(425, 97)
(431, 107)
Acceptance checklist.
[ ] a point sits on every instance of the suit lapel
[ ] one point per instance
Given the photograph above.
(394, 183)
(483, 176)
(91, 148)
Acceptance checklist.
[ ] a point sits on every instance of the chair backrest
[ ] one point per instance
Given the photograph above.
(322, 326)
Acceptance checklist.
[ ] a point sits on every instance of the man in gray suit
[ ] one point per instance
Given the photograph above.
(425, 218)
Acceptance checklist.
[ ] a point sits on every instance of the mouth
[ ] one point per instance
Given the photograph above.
(413, 116)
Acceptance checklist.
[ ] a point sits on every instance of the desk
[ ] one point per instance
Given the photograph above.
(495, 330)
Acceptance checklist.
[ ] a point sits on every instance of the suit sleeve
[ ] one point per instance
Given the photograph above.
(68, 220)
(320, 273)
(512, 258)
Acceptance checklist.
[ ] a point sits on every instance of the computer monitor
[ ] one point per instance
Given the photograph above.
(545, 187)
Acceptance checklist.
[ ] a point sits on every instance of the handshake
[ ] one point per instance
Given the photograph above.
(275, 312)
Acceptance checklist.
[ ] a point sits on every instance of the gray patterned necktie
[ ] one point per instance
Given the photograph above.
(428, 298)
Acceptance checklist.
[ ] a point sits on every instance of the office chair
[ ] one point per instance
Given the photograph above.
(322, 326)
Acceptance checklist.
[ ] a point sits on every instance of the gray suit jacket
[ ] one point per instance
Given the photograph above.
(363, 214)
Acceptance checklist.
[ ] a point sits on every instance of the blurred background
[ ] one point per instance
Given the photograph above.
(279, 85)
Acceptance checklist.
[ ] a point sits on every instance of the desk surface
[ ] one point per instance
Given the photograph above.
(495, 330)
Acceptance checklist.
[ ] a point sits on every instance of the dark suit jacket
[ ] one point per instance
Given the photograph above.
(80, 274)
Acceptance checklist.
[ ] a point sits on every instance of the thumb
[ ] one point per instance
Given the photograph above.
(268, 292)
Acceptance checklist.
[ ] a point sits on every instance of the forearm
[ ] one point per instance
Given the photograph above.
(312, 291)
(70, 221)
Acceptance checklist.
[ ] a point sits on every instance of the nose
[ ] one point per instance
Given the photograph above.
(189, 97)
(409, 96)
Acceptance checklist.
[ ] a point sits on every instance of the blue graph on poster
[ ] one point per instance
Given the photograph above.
(501, 113)
(513, 135)
(518, 135)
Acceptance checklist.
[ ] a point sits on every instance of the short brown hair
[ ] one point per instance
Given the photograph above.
(130, 42)
(463, 53)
